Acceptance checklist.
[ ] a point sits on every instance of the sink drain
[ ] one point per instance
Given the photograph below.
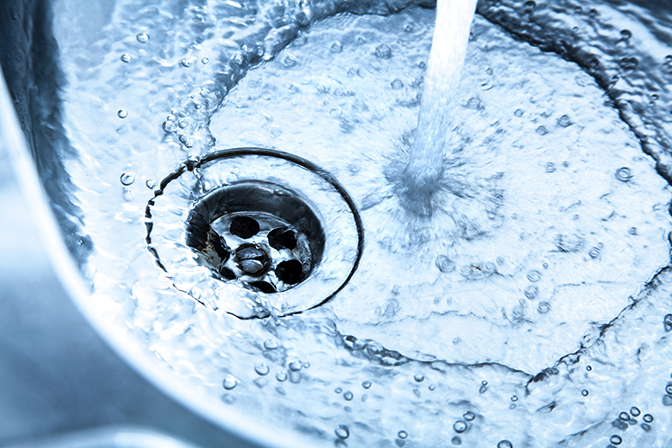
(255, 232)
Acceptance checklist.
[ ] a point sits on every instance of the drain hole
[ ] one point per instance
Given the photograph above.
(257, 233)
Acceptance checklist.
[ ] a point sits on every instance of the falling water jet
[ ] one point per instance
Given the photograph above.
(425, 166)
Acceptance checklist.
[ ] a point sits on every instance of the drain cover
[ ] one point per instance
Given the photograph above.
(255, 232)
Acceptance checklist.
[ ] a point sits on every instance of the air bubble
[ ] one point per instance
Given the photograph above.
(456, 441)
(469, 416)
(336, 47)
(204, 61)
(122, 113)
(127, 179)
(290, 61)
(281, 376)
(624, 174)
(366, 384)
(544, 307)
(342, 432)
(270, 344)
(419, 377)
(629, 63)
(668, 389)
(534, 276)
(624, 416)
(338, 390)
(142, 37)
(584, 392)
(648, 418)
(127, 195)
(504, 444)
(541, 130)
(444, 264)
(531, 292)
(616, 440)
(402, 434)
(550, 167)
(564, 121)
(230, 382)
(383, 51)
(626, 34)
(667, 323)
(186, 62)
(514, 398)
(126, 58)
(460, 426)
(150, 183)
(348, 396)
(261, 369)
(634, 411)
(518, 113)
(295, 365)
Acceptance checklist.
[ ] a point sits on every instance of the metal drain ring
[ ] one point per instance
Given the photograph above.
(229, 154)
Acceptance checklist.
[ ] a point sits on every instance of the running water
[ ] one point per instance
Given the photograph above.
(449, 47)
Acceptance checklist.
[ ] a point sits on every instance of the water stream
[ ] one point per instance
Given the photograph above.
(446, 58)
(532, 309)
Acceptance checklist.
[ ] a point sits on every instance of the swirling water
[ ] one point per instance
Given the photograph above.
(530, 309)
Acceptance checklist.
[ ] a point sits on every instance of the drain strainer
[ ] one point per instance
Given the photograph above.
(255, 232)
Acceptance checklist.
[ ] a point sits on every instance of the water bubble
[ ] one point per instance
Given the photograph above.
(594, 252)
(504, 444)
(270, 344)
(422, 64)
(483, 388)
(261, 369)
(530, 4)
(531, 292)
(624, 174)
(366, 384)
(419, 377)
(541, 130)
(564, 121)
(431, 387)
(667, 322)
(518, 113)
(402, 434)
(348, 396)
(204, 61)
(444, 264)
(632, 230)
(408, 28)
(186, 62)
(534, 276)
(230, 382)
(122, 113)
(469, 416)
(550, 167)
(150, 183)
(338, 390)
(126, 58)
(281, 376)
(336, 47)
(616, 440)
(383, 51)
(397, 84)
(456, 441)
(460, 426)
(127, 179)
(544, 307)
(342, 432)
(584, 392)
(142, 37)
(295, 365)
(624, 416)
(648, 418)
(634, 411)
